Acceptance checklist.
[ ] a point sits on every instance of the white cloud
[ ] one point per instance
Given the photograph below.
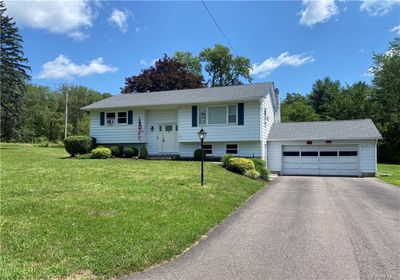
(119, 19)
(285, 58)
(378, 7)
(396, 30)
(71, 18)
(63, 68)
(317, 11)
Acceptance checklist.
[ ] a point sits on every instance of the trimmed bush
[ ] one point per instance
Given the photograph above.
(101, 153)
(128, 152)
(225, 160)
(253, 174)
(78, 145)
(143, 152)
(240, 165)
(197, 154)
(115, 152)
(261, 167)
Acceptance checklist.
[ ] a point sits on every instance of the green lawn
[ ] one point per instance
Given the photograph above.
(104, 218)
(393, 170)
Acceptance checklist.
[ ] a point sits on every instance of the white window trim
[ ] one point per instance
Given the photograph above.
(116, 118)
(237, 148)
(217, 124)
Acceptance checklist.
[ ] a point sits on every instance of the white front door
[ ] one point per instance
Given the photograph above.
(167, 138)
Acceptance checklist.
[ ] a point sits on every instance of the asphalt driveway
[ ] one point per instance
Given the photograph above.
(301, 228)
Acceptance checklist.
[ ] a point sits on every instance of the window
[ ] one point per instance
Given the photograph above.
(309, 154)
(232, 149)
(168, 128)
(291, 154)
(110, 118)
(207, 149)
(217, 115)
(122, 118)
(232, 114)
(202, 115)
(347, 153)
(328, 154)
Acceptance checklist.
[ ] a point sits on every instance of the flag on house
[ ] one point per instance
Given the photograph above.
(140, 129)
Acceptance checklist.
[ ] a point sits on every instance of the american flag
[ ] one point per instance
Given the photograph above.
(139, 131)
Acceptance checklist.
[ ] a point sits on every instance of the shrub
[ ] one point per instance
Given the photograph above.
(128, 152)
(197, 154)
(115, 152)
(261, 167)
(78, 145)
(240, 165)
(225, 160)
(101, 153)
(84, 156)
(143, 152)
(253, 174)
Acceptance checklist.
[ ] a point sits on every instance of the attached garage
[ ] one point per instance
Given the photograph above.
(335, 148)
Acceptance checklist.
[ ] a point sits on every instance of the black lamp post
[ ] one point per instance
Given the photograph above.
(202, 135)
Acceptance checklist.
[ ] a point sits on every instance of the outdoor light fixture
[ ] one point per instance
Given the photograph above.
(202, 135)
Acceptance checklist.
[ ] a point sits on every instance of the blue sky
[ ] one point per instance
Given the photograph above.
(293, 43)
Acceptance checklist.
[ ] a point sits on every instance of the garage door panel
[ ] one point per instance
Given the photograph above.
(321, 160)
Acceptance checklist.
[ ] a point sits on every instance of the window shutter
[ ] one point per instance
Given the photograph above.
(130, 117)
(240, 114)
(101, 118)
(194, 116)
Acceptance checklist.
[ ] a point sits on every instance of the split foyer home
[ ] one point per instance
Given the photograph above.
(241, 120)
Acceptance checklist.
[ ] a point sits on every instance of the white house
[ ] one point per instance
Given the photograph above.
(241, 120)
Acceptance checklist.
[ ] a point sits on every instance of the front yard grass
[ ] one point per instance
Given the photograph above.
(393, 170)
(103, 218)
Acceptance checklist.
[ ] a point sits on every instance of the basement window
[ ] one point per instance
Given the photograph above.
(207, 149)
(232, 149)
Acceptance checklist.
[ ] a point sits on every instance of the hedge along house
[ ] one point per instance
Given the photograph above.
(238, 121)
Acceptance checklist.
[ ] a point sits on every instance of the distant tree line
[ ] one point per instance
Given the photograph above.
(330, 100)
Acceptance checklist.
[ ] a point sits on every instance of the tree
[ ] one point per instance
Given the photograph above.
(13, 76)
(323, 92)
(192, 63)
(386, 98)
(166, 74)
(297, 108)
(223, 68)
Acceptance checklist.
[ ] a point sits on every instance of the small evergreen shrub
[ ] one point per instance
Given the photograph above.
(115, 152)
(78, 145)
(225, 160)
(101, 153)
(143, 153)
(128, 152)
(197, 154)
(253, 174)
(261, 167)
(240, 165)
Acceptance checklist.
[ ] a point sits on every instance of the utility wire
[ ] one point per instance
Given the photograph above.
(219, 27)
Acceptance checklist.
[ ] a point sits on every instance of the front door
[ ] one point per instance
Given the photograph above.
(167, 138)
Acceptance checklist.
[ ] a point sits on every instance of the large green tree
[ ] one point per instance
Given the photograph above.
(166, 74)
(192, 63)
(297, 108)
(323, 92)
(386, 98)
(13, 77)
(223, 68)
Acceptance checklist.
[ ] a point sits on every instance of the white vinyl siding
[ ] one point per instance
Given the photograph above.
(266, 115)
(117, 133)
(249, 131)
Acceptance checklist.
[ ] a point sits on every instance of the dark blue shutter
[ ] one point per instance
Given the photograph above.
(194, 116)
(240, 114)
(130, 117)
(101, 118)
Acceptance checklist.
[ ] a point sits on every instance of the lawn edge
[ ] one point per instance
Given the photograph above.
(211, 232)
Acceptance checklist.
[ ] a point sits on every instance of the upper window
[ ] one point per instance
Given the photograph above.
(217, 115)
(122, 117)
(232, 149)
(232, 114)
(110, 118)
(202, 115)
(207, 149)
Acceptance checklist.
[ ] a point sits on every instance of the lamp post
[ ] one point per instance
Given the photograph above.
(202, 135)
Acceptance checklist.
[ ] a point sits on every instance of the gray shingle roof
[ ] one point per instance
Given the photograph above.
(185, 96)
(326, 130)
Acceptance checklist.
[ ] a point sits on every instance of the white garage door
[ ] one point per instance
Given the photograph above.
(320, 160)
